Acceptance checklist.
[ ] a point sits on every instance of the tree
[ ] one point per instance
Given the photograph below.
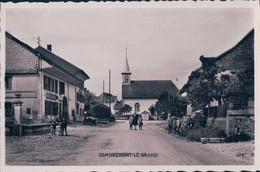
(213, 83)
(201, 89)
(90, 99)
(236, 87)
(126, 109)
(175, 105)
(101, 111)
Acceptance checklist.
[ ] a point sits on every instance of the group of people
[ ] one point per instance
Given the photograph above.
(135, 120)
(63, 126)
(173, 124)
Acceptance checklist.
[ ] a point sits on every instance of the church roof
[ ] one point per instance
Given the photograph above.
(148, 89)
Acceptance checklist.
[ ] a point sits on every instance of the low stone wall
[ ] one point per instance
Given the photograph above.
(32, 129)
(239, 121)
(217, 122)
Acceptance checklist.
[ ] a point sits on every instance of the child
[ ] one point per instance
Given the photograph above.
(53, 126)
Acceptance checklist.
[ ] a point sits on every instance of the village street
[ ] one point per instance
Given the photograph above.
(91, 145)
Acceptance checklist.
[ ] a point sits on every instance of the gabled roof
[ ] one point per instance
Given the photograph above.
(250, 34)
(61, 75)
(62, 64)
(145, 112)
(20, 43)
(148, 89)
(53, 59)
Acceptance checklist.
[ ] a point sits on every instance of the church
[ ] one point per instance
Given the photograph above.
(142, 95)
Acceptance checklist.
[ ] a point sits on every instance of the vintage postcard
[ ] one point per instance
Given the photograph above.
(155, 86)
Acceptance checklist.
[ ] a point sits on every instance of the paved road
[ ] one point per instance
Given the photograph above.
(166, 149)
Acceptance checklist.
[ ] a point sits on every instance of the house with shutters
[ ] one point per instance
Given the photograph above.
(46, 84)
(142, 95)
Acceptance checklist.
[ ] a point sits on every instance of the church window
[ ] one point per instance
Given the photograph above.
(137, 107)
(126, 78)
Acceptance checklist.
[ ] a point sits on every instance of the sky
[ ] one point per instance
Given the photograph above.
(162, 43)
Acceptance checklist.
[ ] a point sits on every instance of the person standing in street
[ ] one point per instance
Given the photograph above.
(53, 126)
(169, 121)
(63, 126)
(135, 121)
(131, 119)
(174, 124)
(140, 122)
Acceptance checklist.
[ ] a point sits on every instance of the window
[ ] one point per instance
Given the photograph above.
(59, 108)
(45, 78)
(62, 88)
(56, 86)
(8, 108)
(8, 82)
(77, 105)
(80, 97)
(51, 108)
(137, 107)
(126, 78)
(50, 84)
(28, 110)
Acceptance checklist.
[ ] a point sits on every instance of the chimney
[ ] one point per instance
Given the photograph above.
(49, 47)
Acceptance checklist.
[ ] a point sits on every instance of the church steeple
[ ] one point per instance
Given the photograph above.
(126, 74)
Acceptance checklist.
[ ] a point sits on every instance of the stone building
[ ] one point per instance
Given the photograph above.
(238, 58)
(46, 84)
(142, 95)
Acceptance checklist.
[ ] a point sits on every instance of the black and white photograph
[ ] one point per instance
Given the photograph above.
(129, 86)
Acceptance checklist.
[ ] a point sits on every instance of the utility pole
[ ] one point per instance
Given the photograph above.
(103, 91)
(38, 41)
(110, 89)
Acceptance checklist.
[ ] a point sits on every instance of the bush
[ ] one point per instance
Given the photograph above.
(151, 118)
(101, 111)
(239, 137)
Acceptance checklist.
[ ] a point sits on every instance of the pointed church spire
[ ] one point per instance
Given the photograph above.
(126, 74)
(126, 67)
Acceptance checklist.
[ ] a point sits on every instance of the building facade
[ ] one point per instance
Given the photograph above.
(142, 95)
(45, 83)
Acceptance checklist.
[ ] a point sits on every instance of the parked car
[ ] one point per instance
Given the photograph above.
(112, 119)
(90, 120)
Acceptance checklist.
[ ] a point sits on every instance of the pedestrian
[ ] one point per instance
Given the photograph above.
(135, 121)
(178, 125)
(63, 127)
(140, 122)
(174, 124)
(131, 119)
(53, 126)
(169, 121)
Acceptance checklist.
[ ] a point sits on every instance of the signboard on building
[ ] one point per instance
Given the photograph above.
(51, 96)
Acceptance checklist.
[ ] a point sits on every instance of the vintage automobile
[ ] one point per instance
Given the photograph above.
(90, 120)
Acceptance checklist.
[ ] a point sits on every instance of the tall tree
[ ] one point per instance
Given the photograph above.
(91, 100)
(201, 89)
(175, 105)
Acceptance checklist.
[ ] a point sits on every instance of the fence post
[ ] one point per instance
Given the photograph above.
(227, 123)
